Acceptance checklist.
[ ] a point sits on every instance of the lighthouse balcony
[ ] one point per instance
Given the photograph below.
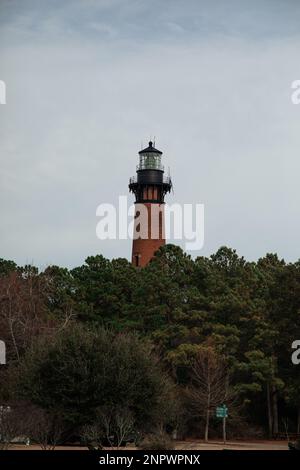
(165, 180)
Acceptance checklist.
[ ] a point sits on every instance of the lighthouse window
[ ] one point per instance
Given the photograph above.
(137, 260)
(150, 161)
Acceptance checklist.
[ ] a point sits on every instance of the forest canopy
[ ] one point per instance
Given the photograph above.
(208, 311)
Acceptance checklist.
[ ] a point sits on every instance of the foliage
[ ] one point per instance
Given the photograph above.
(249, 311)
(91, 375)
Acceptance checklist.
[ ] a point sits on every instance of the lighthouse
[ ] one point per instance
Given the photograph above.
(150, 185)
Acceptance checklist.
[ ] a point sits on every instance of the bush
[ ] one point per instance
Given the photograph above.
(159, 441)
(85, 371)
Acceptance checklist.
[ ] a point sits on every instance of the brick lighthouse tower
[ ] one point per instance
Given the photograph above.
(149, 187)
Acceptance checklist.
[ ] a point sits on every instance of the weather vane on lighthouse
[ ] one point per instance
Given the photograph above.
(149, 187)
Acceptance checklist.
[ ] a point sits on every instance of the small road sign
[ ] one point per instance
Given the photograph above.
(222, 411)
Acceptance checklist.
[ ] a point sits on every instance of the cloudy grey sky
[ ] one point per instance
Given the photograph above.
(87, 81)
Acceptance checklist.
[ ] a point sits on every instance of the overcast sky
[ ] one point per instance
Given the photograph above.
(88, 81)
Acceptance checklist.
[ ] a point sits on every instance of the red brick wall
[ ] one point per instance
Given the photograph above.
(143, 249)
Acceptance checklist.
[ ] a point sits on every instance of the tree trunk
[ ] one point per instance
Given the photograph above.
(207, 425)
(208, 408)
(270, 417)
(275, 410)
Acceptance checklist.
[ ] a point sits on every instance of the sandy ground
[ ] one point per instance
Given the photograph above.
(193, 445)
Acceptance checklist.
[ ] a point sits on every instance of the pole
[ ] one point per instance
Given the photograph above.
(224, 430)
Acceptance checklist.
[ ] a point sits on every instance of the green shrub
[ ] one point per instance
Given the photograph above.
(87, 371)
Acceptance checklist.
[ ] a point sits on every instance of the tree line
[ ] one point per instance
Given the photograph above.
(210, 331)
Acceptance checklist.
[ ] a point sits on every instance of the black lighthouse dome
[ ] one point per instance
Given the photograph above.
(150, 149)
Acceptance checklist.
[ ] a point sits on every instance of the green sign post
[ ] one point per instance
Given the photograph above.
(222, 412)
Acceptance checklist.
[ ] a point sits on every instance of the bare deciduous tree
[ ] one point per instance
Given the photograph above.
(7, 427)
(23, 310)
(92, 436)
(117, 424)
(209, 385)
(13, 424)
(45, 428)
